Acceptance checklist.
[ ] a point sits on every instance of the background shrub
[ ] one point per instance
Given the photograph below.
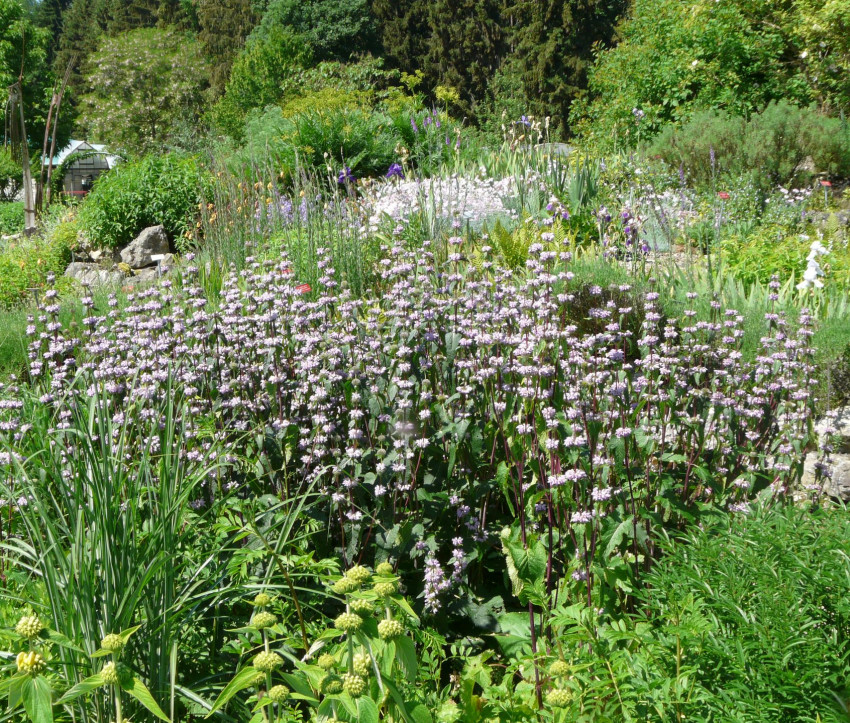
(674, 58)
(361, 139)
(771, 146)
(11, 217)
(154, 190)
(25, 263)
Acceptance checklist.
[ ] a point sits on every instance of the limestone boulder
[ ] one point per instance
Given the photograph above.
(150, 242)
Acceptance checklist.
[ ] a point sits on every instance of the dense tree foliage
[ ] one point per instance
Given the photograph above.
(329, 29)
(738, 55)
(224, 26)
(141, 86)
(554, 43)
(23, 53)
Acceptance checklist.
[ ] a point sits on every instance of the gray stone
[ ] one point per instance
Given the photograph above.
(94, 274)
(841, 425)
(554, 149)
(137, 254)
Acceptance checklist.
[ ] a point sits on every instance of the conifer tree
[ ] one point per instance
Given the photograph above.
(553, 46)
(224, 26)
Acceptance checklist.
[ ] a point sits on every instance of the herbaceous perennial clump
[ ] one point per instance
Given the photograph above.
(456, 398)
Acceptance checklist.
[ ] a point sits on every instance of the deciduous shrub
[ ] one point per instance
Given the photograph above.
(158, 189)
(772, 144)
(25, 263)
(11, 217)
(674, 58)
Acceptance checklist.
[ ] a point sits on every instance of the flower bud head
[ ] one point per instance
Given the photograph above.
(263, 620)
(344, 585)
(389, 629)
(558, 697)
(326, 661)
(354, 685)
(29, 627)
(278, 694)
(267, 662)
(559, 668)
(262, 600)
(348, 622)
(30, 663)
(113, 643)
(385, 588)
(384, 568)
(331, 684)
(115, 673)
(362, 664)
(361, 606)
(358, 574)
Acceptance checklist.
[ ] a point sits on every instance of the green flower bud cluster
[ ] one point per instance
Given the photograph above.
(278, 693)
(115, 673)
(559, 669)
(29, 627)
(389, 629)
(262, 600)
(558, 697)
(361, 606)
(353, 684)
(30, 663)
(344, 586)
(113, 643)
(359, 574)
(348, 622)
(326, 661)
(331, 684)
(267, 662)
(386, 583)
(361, 663)
(263, 620)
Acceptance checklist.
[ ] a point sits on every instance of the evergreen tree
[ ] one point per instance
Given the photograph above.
(331, 29)
(465, 47)
(404, 32)
(553, 45)
(48, 15)
(224, 26)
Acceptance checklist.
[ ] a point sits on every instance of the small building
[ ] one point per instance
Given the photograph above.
(89, 161)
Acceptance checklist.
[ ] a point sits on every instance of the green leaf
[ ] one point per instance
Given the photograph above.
(37, 699)
(406, 656)
(243, 679)
(367, 711)
(64, 642)
(83, 688)
(420, 714)
(625, 528)
(404, 605)
(140, 692)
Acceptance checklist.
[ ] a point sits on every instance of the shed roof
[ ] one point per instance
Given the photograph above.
(75, 146)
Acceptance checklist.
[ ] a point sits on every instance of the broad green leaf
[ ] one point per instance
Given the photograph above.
(61, 640)
(404, 605)
(243, 679)
(406, 656)
(83, 688)
(140, 692)
(38, 699)
(420, 714)
(367, 711)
